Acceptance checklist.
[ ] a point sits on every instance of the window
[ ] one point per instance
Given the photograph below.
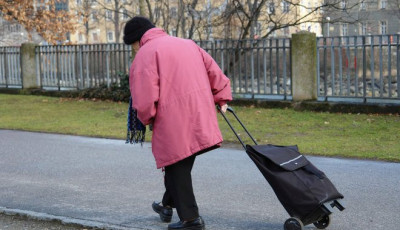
(322, 9)
(383, 4)
(95, 37)
(343, 4)
(40, 5)
(78, 2)
(286, 31)
(173, 12)
(271, 8)
(110, 36)
(125, 14)
(94, 15)
(209, 30)
(257, 29)
(344, 29)
(363, 5)
(273, 33)
(80, 37)
(14, 28)
(285, 6)
(108, 15)
(157, 12)
(61, 5)
(173, 32)
(383, 27)
(309, 8)
(363, 28)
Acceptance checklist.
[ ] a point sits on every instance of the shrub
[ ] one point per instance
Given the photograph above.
(115, 92)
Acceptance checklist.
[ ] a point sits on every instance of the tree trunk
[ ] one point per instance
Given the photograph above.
(191, 11)
(116, 21)
(142, 8)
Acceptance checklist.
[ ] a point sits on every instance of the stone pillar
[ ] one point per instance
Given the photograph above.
(28, 66)
(304, 66)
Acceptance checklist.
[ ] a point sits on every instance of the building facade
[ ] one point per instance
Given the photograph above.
(11, 33)
(364, 17)
(102, 21)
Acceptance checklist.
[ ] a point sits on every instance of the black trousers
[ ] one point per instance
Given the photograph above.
(179, 189)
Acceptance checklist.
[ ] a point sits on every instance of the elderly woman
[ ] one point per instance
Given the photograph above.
(175, 86)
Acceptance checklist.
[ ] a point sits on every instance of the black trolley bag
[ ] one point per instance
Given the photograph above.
(304, 191)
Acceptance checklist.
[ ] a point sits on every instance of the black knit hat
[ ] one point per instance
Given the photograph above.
(135, 28)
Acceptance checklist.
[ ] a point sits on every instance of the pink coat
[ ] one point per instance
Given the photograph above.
(175, 85)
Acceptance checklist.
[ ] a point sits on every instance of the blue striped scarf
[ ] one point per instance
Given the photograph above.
(136, 130)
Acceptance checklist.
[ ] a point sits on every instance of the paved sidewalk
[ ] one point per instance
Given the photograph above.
(106, 184)
(13, 222)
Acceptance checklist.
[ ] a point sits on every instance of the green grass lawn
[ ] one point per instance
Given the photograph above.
(347, 135)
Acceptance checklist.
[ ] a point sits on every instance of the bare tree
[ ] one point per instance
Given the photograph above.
(149, 12)
(113, 11)
(181, 20)
(161, 14)
(252, 19)
(193, 14)
(280, 14)
(179, 17)
(86, 13)
(348, 11)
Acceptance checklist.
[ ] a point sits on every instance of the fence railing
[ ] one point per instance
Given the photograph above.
(356, 69)
(359, 68)
(10, 69)
(82, 66)
(257, 68)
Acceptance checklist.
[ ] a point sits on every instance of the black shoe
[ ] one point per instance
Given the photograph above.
(165, 212)
(196, 224)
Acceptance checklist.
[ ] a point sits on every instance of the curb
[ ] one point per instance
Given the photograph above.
(67, 221)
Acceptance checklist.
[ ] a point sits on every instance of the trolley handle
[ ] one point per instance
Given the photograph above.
(229, 109)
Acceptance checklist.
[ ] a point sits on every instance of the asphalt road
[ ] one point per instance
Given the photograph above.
(107, 184)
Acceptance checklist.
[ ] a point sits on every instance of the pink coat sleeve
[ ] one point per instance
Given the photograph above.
(144, 87)
(220, 84)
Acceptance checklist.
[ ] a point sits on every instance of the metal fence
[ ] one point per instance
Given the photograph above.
(359, 68)
(10, 69)
(82, 66)
(258, 69)
(356, 69)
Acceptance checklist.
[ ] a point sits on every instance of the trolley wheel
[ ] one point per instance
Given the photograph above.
(323, 222)
(293, 223)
